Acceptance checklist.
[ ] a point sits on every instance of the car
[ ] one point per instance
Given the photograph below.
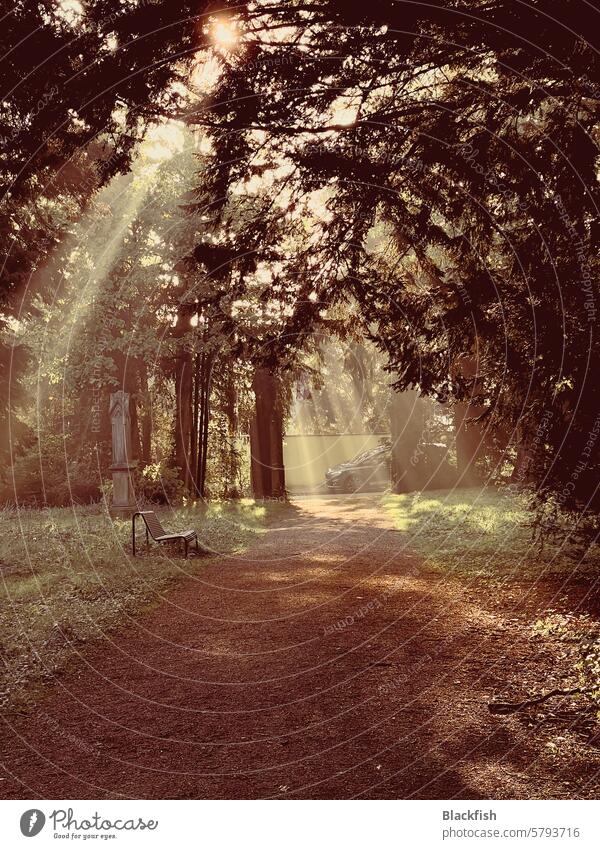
(427, 467)
(368, 470)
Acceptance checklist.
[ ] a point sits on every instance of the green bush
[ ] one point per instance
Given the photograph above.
(159, 483)
(47, 476)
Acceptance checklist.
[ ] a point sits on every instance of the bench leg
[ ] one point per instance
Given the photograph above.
(197, 549)
(185, 542)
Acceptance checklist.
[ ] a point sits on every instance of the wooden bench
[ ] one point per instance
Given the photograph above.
(158, 533)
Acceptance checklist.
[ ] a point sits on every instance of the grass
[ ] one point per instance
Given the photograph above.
(487, 533)
(479, 532)
(68, 577)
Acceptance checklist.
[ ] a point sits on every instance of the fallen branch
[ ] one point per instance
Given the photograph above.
(513, 707)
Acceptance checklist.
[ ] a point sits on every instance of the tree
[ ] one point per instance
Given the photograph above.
(266, 436)
(468, 149)
(75, 106)
(435, 166)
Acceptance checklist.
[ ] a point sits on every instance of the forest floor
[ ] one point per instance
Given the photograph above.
(351, 650)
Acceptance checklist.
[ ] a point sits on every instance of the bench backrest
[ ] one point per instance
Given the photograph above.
(153, 523)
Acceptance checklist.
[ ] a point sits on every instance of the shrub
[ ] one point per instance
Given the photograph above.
(46, 475)
(159, 483)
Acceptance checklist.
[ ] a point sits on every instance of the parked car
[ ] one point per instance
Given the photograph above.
(368, 470)
(426, 468)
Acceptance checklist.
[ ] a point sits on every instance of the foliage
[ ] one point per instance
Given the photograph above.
(71, 120)
(74, 107)
(342, 387)
(425, 176)
(159, 483)
(475, 239)
(45, 475)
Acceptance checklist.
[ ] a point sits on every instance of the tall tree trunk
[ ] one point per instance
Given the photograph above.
(256, 477)
(146, 417)
(204, 383)
(276, 448)
(233, 456)
(406, 428)
(468, 434)
(183, 395)
(266, 437)
(261, 433)
(195, 415)
(467, 437)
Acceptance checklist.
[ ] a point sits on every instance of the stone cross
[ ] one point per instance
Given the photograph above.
(123, 504)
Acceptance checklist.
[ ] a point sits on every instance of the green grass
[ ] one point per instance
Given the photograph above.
(482, 532)
(68, 577)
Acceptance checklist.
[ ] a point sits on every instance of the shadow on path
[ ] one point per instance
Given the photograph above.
(324, 662)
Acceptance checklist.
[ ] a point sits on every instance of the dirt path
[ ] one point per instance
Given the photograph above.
(325, 662)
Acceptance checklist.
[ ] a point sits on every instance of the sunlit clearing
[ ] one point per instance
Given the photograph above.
(481, 531)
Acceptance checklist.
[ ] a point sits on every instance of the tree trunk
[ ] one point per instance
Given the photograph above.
(183, 396)
(233, 490)
(276, 448)
(256, 477)
(195, 415)
(406, 428)
(146, 417)
(263, 387)
(468, 441)
(266, 437)
(202, 392)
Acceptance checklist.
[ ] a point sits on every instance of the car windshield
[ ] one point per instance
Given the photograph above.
(372, 454)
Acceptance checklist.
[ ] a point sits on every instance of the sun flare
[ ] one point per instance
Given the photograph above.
(225, 34)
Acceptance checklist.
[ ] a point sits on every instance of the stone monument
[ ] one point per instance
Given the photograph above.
(123, 503)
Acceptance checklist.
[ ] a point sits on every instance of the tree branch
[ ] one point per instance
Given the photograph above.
(513, 707)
